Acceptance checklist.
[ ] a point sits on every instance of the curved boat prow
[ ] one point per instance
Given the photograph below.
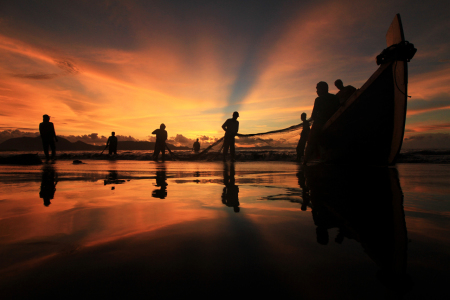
(395, 36)
(369, 127)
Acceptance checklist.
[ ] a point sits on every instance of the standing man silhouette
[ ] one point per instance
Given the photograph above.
(196, 146)
(160, 145)
(303, 137)
(112, 142)
(48, 136)
(231, 127)
(324, 107)
(344, 91)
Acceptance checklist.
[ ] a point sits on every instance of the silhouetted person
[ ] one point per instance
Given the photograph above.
(344, 91)
(48, 136)
(303, 137)
(323, 218)
(230, 194)
(160, 144)
(112, 143)
(48, 184)
(196, 146)
(161, 183)
(231, 127)
(324, 107)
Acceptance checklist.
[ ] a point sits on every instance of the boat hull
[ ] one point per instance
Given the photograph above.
(369, 127)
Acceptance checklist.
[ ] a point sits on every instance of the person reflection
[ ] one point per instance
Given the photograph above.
(48, 184)
(230, 194)
(365, 205)
(161, 182)
(324, 220)
(112, 178)
(305, 190)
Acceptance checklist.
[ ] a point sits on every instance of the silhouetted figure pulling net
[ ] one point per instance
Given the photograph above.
(255, 144)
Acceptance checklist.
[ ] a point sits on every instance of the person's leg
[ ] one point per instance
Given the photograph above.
(163, 150)
(232, 149)
(45, 146)
(226, 145)
(156, 153)
(312, 141)
(53, 147)
(301, 148)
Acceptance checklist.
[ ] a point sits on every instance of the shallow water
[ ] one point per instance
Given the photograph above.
(140, 228)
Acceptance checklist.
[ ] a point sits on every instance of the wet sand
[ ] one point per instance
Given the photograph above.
(139, 229)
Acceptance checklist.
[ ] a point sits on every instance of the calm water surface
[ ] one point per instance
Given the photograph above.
(140, 229)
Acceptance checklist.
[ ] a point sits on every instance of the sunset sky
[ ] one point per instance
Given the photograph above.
(128, 66)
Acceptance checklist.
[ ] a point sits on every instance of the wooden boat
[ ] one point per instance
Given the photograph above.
(369, 127)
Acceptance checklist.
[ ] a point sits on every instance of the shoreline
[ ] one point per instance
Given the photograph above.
(285, 155)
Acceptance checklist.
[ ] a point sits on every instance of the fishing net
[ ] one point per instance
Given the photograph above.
(276, 140)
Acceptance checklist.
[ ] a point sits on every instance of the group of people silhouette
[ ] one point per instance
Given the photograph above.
(325, 105)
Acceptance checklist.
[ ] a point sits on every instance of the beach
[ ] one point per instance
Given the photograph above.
(140, 228)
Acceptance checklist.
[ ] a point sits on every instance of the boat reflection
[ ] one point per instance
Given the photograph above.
(230, 194)
(365, 205)
(48, 183)
(161, 182)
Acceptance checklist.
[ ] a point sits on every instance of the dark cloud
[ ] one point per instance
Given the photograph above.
(67, 66)
(441, 101)
(433, 127)
(95, 139)
(427, 141)
(97, 23)
(9, 134)
(181, 140)
(36, 76)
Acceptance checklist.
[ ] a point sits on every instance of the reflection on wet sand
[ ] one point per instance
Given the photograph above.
(88, 239)
(305, 190)
(230, 194)
(365, 205)
(112, 178)
(161, 182)
(48, 184)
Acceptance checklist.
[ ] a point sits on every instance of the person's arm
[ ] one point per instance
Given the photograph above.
(237, 128)
(314, 112)
(154, 131)
(54, 133)
(40, 129)
(107, 142)
(165, 135)
(224, 126)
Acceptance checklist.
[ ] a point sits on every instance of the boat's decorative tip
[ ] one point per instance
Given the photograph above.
(402, 51)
